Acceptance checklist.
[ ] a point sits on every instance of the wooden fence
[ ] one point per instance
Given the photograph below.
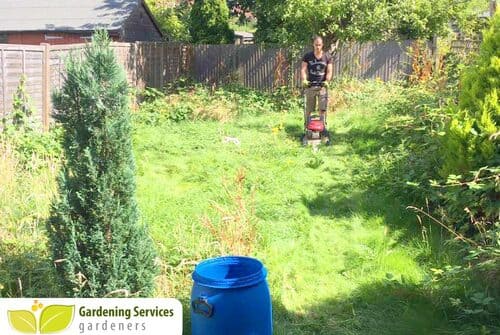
(16, 60)
(150, 64)
(263, 68)
(146, 64)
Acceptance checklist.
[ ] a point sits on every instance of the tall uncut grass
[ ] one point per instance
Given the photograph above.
(26, 189)
(222, 171)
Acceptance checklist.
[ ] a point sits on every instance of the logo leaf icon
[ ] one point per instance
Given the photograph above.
(22, 321)
(56, 318)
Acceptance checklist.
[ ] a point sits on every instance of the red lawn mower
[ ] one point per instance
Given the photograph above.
(315, 131)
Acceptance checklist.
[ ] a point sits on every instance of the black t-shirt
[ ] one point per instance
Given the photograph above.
(316, 67)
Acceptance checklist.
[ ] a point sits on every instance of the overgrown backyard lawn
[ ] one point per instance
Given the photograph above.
(224, 173)
(343, 257)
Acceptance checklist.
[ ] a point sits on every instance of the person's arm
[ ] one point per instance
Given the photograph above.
(329, 71)
(304, 71)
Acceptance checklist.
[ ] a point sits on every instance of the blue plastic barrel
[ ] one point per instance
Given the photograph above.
(230, 296)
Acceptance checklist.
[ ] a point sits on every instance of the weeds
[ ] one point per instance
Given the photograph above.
(234, 232)
(25, 194)
(189, 101)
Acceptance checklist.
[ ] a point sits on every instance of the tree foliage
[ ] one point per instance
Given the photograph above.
(245, 4)
(473, 132)
(96, 240)
(173, 20)
(209, 22)
(468, 17)
(295, 21)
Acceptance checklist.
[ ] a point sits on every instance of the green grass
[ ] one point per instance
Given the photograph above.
(26, 188)
(343, 257)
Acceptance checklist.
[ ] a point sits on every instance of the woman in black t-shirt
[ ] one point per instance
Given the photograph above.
(317, 71)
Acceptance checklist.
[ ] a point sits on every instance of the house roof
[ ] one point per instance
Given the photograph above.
(64, 15)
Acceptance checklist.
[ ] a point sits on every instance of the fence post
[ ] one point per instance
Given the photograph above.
(46, 86)
(435, 54)
(4, 83)
(133, 62)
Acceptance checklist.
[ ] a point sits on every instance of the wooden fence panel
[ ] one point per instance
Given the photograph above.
(253, 66)
(156, 64)
(15, 61)
(465, 46)
(153, 64)
(58, 56)
(373, 60)
(262, 68)
(172, 62)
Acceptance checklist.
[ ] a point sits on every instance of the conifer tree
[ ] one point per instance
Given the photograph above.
(97, 243)
(22, 109)
(210, 22)
(472, 138)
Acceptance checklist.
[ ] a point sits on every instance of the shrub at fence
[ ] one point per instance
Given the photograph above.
(471, 141)
(470, 196)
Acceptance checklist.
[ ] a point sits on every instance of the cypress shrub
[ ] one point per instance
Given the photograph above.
(97, 243)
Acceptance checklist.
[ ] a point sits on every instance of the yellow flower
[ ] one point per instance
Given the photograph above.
(36, 306)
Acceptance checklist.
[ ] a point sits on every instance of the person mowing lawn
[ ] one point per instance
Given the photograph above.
(316, 73)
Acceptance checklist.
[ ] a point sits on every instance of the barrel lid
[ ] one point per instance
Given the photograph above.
(229, 272)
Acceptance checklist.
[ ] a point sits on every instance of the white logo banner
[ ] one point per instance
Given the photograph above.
(125, 316)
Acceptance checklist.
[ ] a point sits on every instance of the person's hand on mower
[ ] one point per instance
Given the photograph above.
(306, 83)
(325, 84)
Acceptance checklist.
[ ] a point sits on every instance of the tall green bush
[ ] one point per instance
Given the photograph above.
(470, 197)
(97, 243)
(21, 130)
(472, 134)
(22, 109)
(210, 22)
(173, 20)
